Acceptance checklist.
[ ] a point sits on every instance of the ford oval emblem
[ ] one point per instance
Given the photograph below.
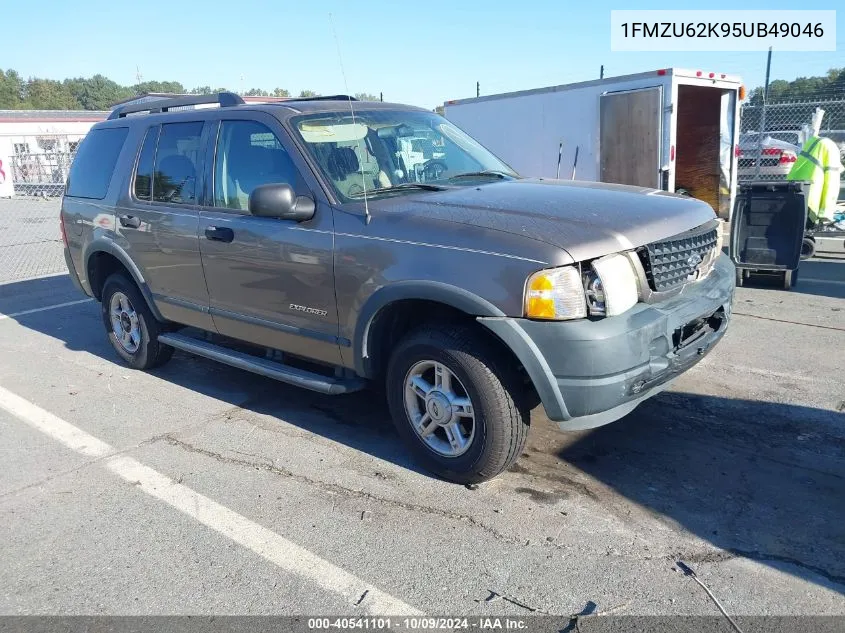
(693, 260)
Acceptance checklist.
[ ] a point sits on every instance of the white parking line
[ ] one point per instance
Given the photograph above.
(52, 307)
(274, 548)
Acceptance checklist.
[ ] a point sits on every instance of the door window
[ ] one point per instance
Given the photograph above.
(176, 160)
(248, 154)
(144, 172)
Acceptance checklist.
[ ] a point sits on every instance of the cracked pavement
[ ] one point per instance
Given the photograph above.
(738, 471)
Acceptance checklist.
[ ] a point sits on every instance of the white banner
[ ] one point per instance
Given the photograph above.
(722, 30)
(6, 188)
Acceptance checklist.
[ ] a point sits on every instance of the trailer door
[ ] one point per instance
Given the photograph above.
(630, 135)
(727, 153)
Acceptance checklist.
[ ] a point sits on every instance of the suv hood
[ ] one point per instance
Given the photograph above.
(586, 219)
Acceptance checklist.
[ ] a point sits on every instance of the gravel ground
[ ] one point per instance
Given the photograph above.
(738, 471)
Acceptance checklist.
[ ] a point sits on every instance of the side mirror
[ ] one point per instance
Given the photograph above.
(278, 200)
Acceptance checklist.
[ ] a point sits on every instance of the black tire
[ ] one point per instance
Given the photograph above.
(501, 416)
(808, 248)
(740, 277)
(149, 353)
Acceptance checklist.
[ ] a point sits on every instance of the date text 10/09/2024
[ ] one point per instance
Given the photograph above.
(721, 29)
(418, 623)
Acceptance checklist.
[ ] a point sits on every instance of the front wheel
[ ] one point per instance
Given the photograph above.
(132, 329)
(457, 403)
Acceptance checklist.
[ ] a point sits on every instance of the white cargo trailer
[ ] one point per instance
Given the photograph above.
(668, 129)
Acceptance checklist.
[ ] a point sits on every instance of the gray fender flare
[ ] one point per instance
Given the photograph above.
(103, 245)
(532, 359)
(458, 298)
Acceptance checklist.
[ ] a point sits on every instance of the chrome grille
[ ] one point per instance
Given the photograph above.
(679, 259)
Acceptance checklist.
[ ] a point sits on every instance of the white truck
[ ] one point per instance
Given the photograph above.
(668, 129)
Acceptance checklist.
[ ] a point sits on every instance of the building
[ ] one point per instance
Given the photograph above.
(37, 147)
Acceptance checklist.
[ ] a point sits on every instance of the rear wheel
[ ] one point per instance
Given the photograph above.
(456, 403)
(132, 329)
(740, 277)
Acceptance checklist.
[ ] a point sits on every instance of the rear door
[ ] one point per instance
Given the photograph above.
(630, 136)
(270, 281)
(159, 220)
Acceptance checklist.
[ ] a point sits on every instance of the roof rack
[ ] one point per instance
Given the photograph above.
(224, 99)
(325, 98)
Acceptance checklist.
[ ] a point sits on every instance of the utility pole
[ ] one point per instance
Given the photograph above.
(768, 71)
(477, 88)
(763, 115)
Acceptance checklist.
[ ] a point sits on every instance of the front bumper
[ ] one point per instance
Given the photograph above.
(593, 372)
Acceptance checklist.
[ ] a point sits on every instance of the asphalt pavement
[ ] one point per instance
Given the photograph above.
(202, 489)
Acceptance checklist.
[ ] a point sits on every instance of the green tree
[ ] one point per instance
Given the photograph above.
(828, 86)
(48, 94)
(256, 92)
(281, 92)
(168, 87)
(97, 92)
(305, 94)
(365, 96)
(206, 90)
(11, 90)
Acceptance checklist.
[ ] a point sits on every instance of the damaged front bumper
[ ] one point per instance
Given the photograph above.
(592, 372)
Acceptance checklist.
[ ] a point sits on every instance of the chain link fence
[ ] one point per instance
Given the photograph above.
(772, 135)
(30, 239)
(39, 163)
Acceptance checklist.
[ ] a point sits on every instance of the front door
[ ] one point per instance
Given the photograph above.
(158, 221)
(270, 281)
(630, 135)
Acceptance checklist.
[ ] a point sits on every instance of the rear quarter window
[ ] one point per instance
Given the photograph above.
(94, 164)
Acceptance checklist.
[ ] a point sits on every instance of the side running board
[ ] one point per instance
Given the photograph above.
(268, 368)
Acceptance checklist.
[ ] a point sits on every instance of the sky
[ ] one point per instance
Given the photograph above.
(421, 53)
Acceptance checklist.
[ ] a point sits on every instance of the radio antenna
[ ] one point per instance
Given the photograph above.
(352, 110)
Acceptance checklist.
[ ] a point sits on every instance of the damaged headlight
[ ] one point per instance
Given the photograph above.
(611, 285)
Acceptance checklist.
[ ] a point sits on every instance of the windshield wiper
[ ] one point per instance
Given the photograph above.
(425, 186)
(489, 173)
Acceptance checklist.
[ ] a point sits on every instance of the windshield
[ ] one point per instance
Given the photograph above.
(389, 152)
